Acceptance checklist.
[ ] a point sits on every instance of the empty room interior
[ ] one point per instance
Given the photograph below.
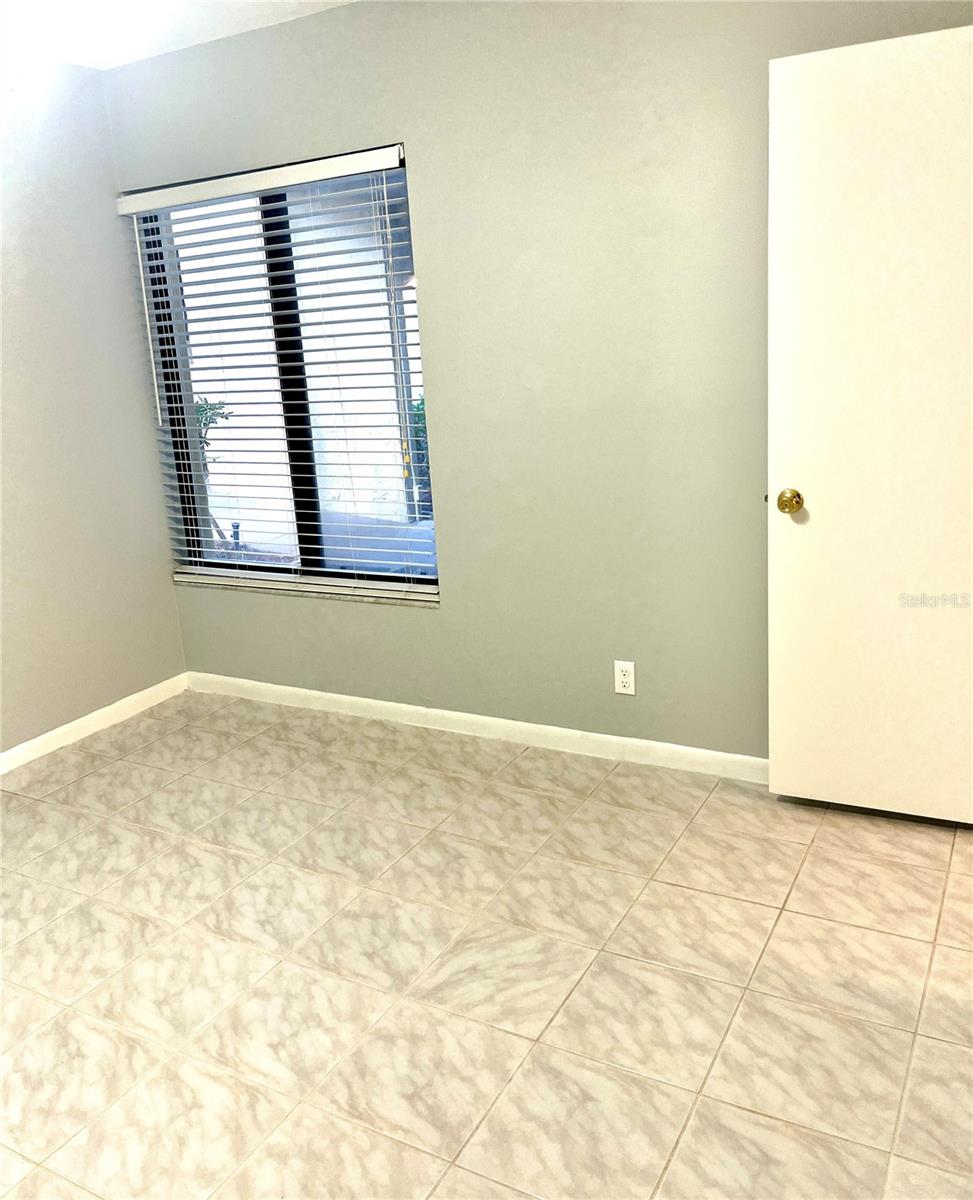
(485, 707)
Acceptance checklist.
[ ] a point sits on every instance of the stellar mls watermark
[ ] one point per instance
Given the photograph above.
(934, 599)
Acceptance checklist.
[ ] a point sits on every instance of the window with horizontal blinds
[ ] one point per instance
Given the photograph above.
(285, 345)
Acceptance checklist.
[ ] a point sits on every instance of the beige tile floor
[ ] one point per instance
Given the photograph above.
(261, 952)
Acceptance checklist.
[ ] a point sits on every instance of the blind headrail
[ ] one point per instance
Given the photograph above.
(221, 187)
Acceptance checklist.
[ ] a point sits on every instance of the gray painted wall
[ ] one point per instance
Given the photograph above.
(88, 606)
(588, 188)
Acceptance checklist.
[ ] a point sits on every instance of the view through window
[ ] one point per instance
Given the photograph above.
(286, 350)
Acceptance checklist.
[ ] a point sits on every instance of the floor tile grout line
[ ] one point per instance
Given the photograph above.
(305, 1096)
(84, 774)
(8, 1049)
(832, 1012)
(840, 1013)
(293, 955)
(181, 1046)
(261, 863)
(195, 765)
(8, 946)
(166, 1050)
(683, 1128)
(906, 937)
(285, 848)
(452, 1166)
(258, 1145)
(154, 1069)
(666, 966)
(579, 803)
(480, 909)
(536, 853)
(86, 1191)
(942, 908)
(577, 982)
(260, 866)
(597, 950)
(322, 1107)
(794, 912)
(673, 1150)
(653, 877)
(510, 846)
(907, 1073)
(95, 820)
(806, 1129)
(740, 831)
(173, 839)
(331, 875)
(531, 856)
(171, 930)
(952, 849)
(844, 852)
(911, 937)
(100, 817)
(454, 1161)
(125, 874)
(267, 783)
(392, 998)
(402, 993)
(481, 913)
(182, 1039)
(169, 1053)
(195, 829)
(801, 912)
(700, 1091)
(168, 932)
(394, 1001)
(967, 1177)
(199, 725)
(113, 754)
(192, 835)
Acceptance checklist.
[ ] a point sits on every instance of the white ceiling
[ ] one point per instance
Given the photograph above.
(108, 33)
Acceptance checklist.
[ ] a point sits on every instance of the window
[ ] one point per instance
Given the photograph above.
(281, 309)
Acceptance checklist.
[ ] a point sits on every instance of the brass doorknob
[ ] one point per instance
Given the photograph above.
(790, 500)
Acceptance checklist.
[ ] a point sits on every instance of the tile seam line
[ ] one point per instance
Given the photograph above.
(907, 1074)
(238, 1167)
(781, 909)
(173, 928)
(700, 1091)
(481, 912)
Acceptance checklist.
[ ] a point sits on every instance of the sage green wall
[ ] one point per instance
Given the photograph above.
(588, 187)
(88, 606)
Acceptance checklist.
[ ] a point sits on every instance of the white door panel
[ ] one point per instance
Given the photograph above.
(869, 417)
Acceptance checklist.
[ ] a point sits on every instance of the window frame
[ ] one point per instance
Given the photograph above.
(162, 291)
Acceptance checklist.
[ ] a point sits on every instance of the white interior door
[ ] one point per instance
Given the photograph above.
(870, 413)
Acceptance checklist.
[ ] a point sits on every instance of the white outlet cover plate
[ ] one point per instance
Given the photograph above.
(624, 677)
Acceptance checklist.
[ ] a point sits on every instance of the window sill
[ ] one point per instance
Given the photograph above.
(412, 594)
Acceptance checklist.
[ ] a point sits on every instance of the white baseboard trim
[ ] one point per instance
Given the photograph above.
(551, 737)
(93, 722)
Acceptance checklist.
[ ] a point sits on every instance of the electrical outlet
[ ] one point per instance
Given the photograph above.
(624, 678)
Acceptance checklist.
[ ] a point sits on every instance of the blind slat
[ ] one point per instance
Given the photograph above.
(190, 248)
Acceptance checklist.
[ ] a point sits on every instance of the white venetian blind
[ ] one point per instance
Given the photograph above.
(281, 310)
